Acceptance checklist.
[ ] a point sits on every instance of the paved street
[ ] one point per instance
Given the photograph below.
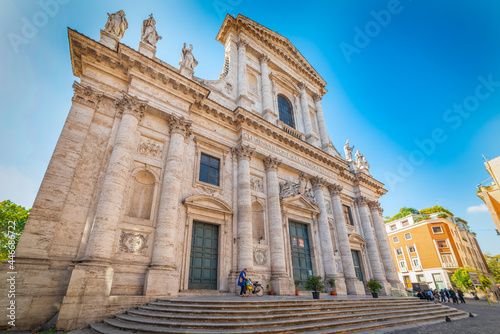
(486, 321)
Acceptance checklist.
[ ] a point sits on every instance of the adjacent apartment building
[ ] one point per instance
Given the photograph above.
(490, 194)
(428, 248)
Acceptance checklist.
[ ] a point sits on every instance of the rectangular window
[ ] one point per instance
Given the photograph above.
(393, 227)
(421, 278)
(437, 229)
(447, 258)
(408, 236)
(402, 264)
(415, 262)
(442, 243)
(395, 240)
(348, 215)
(209, 169)
(399, 251)
(405, 223)
(411, 249)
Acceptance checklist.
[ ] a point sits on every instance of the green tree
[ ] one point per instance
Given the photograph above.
(493, 262)
(461, 278)
(403, 212)
(11, 212)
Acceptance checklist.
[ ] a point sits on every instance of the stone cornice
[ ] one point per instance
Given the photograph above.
(126, 58)
(86, 95)
(279, 45)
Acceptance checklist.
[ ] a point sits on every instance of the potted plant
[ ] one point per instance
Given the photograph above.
(297, 283)
(315, 283)
(331, 283)
(374, 287)
(269, 288)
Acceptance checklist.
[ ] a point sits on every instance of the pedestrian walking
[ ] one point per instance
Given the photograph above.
(443, 296)
(242, 280)
(453, 296)
(461, 296)
(431, 296)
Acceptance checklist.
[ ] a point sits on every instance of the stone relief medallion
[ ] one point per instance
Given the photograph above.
(229, 88)
(259, 257)
(351, 229)
(131, 242)
(150, 148)
(257, 184)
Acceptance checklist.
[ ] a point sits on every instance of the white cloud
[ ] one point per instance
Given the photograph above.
(477, 208)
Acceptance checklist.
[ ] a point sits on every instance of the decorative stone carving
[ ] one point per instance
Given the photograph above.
(302, 86)
(86, 95)
(360, 200)
(150, 148)
(187, 58)
(335, 189)
(288, 188)
(131, 242)
(229, 88)
(148, 32)
(348, 151)
(257, 184)
(130, 105)
(316, 98)
(302, 183)
(351, 228)
(318, 182)
(209, 190)
(243, 151)
(328, 207)
(259, 257)
(263, 58)
(361, 162)
(309, 194)
(242, 43)
(271, 163)
(225, 71)
(374, 205)
(116, 24)
(180, 125)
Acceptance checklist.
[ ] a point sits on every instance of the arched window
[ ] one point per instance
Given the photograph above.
(286, 111)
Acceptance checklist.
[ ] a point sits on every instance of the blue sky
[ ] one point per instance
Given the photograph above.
(401, 82)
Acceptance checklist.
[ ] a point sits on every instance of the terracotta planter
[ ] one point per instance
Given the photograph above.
(271, 292)
(333, 293)
(296, 293)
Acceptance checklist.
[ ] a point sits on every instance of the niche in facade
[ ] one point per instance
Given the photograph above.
(258, 230)
(141, 198)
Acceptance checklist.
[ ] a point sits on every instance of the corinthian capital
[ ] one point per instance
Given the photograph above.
(316, 98)
(129, 104)
(318, 182)
(179, 125)
(242, 43)
(271, 163)
(243, 151)
(335, 189)
(263, 59)
(374, 205)
(86, 95)
(302, 86)
(360, 200)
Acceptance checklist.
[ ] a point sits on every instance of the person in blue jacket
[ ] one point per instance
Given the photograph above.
(242, 282)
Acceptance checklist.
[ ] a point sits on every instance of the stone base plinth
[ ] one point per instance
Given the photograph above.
(386, 290)
(109, 40)
(161, 282)
(187, 72)
(244, 102)
(147, 50)
(340, 287)
(355, 286)
(282, 285)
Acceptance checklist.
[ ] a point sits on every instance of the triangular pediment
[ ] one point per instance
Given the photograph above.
(278, 45)
(208, 203)
(300, 202)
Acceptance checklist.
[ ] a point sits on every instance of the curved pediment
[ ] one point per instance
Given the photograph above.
(300, 202)
(356, 238)
(208, 203)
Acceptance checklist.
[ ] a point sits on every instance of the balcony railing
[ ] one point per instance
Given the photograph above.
(450, 265)
(403, 270)
(417, 268)
(291, 130)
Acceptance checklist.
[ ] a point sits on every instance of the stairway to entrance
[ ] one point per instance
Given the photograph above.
(273, 315)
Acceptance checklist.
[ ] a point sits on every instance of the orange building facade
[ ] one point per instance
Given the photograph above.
(427, 250)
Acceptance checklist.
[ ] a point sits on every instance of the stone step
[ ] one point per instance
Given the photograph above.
(279, 300)
(264, 313)
(257, 323)
(268, 317)
(190, 293)
(244, 305)
(117, 326)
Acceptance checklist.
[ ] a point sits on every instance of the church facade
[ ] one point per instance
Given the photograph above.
(163, 183)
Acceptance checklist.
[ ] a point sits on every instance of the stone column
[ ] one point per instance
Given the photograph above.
(306, 117)
(371, 243)
(242, 99)
(281, 283)
(109, 208)
(324, 230)
(244, 233)
(353, 284)
(267, 99)
(323, 134)
(163, 276)
(383, 243)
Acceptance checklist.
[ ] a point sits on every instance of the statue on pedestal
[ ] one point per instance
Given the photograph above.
(361, 162)
(116, 24)
(187, 58)
(348, 151)
(148, 32)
